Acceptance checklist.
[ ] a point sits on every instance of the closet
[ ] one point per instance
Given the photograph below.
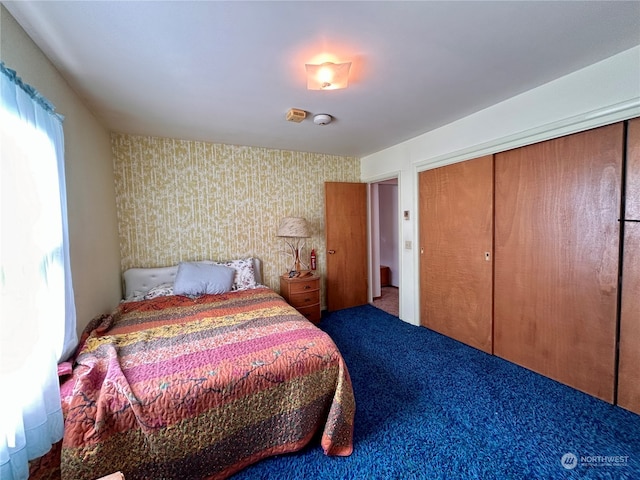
(629, 366)
(524, 261)
(456, 246)
(556, 257)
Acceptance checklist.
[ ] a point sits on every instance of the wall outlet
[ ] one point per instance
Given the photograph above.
(407, 244)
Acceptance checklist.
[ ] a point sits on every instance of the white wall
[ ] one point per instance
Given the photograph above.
(600, 94)
(388, 214)
(93, 235)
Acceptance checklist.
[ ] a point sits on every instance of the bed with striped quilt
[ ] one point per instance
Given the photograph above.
(193, 388)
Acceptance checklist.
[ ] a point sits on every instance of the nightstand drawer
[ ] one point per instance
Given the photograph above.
(312, 313)
(303, 294)
(304, 299)
(302, 285)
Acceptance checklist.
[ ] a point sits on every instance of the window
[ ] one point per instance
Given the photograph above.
(37, 323)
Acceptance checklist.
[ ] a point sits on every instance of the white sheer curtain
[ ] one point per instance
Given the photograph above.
(37, 323)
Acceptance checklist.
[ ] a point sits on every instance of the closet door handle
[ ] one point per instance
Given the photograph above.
(331, 252)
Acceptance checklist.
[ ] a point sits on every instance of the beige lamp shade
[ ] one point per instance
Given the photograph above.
(295, 227)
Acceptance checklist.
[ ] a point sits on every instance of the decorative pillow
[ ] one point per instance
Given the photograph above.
(135, 296)
(195, 278)
(162, 290)
(244, 278)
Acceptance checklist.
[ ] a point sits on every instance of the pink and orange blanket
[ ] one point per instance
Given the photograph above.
(175, 387)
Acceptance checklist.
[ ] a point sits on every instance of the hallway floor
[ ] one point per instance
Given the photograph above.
(388, 301)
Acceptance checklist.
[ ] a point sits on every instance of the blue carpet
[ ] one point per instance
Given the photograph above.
(429, 407)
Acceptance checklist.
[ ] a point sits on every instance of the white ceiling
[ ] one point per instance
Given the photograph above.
(227, 72)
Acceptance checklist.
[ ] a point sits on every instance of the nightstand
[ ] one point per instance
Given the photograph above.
(385, 276)
(303, 293)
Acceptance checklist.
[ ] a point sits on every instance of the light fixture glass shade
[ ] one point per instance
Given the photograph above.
(295, 227)
(327, 76)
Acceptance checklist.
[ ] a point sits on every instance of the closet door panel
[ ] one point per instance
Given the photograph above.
(629, 360)
(556, 257)
(632, 201)
(456, 231)
(629, 366)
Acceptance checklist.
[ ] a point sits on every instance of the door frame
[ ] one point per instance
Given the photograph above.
(373, 233)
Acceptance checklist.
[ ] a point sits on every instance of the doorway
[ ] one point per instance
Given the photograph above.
(385, 249)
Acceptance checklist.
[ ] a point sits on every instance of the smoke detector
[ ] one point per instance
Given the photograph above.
(322, 119)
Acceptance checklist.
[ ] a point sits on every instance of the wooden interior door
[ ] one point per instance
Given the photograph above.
(456, 251)
(346, 240)
(557, 205)
(629, 356)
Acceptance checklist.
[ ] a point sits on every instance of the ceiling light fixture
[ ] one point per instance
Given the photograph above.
(327, 76)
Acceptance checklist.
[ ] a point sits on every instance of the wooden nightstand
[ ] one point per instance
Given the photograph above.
(385, 276)
(303, 294)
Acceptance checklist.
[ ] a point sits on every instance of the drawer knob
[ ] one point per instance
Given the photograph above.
(307, 287)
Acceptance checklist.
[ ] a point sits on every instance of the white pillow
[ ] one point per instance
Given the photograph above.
(194, 278)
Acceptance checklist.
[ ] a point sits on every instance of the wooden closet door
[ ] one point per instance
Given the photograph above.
(556, 257)
(456, 245)
(629, 360)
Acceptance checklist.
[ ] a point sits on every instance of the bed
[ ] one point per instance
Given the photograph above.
(195, 386)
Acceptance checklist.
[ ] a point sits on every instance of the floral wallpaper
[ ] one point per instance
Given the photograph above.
(189, 200)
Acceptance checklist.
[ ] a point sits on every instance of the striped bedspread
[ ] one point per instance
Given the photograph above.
(183, 388)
